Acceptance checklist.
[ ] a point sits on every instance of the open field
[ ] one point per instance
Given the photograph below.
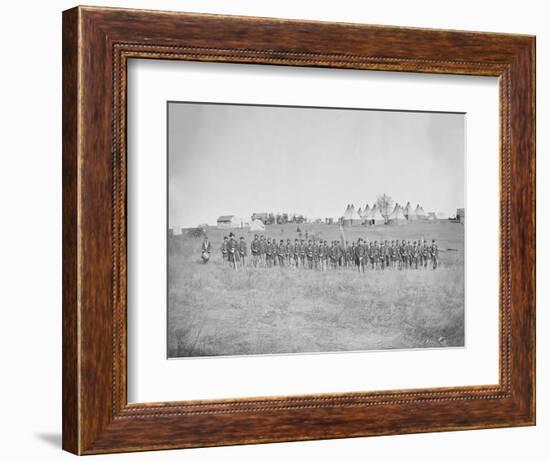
(214, 310)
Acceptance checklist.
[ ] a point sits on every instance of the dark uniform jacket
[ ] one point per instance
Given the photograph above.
(255, 246)
(315, 251)
(232, 248)
(360, 252)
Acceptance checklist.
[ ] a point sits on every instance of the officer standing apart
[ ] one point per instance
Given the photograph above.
(206, 248)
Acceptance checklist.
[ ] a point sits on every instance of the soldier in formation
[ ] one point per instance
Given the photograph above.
(318, 254)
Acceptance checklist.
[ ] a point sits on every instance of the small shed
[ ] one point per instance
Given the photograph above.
(228, 222)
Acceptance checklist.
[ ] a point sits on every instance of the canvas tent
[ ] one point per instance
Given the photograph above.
(375, 217)
(347, 212)
(351, 217)
(397, 216)
(262, 216)
(257, 226)
(419, 212)
(366, 212)
(408, 212)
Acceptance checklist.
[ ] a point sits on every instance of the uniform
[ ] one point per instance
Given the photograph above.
(206, 248)
(223, 250)
(303, 251)
(281, 253)
(263, 244)
(309, 255)
(269, 253)
(415, 254)
(288, 252)
(232, 252)
(360, 254)
(275, 255)
(296, 253)
(425, 255)
(242, 252)
(434, 255)
(394, 255)
(255, 250)
(323, 257)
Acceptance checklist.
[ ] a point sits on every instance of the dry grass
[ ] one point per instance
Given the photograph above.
(216, 311)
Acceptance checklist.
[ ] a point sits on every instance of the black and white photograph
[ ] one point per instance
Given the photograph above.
(313, 230)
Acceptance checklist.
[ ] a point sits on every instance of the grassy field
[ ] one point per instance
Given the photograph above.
(213, 310)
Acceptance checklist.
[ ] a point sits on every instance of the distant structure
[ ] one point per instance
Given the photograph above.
(366, 213)
(257, 226)
(460, 215)
(174, 230)
(375, 218)
(227, 222)
(397, 216)
(419, 212)
(232, 222)
(351, 217)
(409, 213)
(263, 217)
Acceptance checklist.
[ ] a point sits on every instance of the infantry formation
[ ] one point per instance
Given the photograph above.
(319, 254)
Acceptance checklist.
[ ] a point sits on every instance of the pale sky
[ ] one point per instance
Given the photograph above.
(240, 159)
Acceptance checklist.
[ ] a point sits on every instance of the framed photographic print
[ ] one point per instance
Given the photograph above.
(282, 230)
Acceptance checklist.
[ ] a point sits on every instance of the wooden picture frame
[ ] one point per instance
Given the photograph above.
(97, 43)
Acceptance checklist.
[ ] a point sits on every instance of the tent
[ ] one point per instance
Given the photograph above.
(408, 212)
(351, 217)
(397, 216)
(375, 217)
(257, 226)
(419, 212)
(347, 212)
(366, 212)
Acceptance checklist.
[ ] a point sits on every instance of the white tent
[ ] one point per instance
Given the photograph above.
(366, 212)
(408, 212)
(347, 212)
(419, 212)
(351, 217)
(397, 216)
(257, 226)
(375, 217)
(393, 213)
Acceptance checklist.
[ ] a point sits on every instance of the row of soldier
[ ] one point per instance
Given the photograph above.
(320, 255)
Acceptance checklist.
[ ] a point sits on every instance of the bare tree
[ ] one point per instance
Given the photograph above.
(385, 205)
